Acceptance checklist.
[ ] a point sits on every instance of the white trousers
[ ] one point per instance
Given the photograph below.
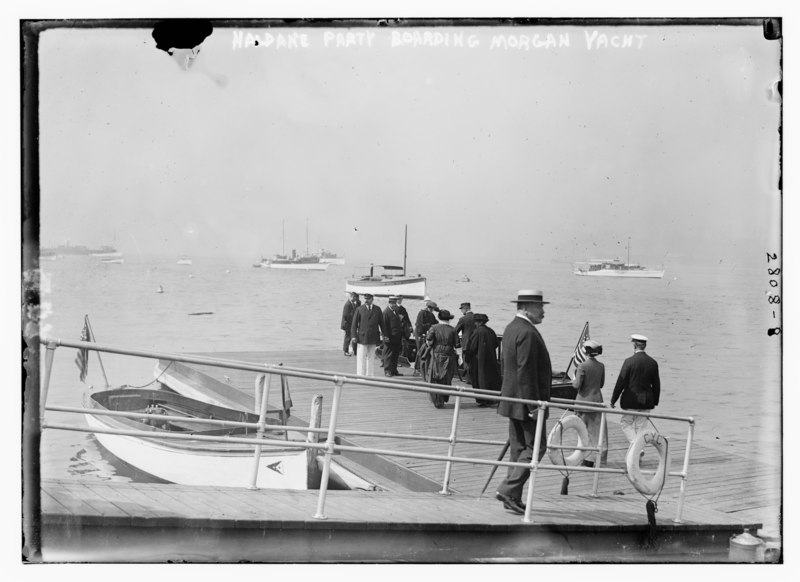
(365, 359)
(631, 425)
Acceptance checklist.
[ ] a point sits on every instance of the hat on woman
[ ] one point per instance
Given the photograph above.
(592, 347)
(480, 317)
(445, 315)
(529, 296)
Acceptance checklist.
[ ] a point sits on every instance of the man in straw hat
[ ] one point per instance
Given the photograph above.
(366, 330)
(527, 374)
(638, 388)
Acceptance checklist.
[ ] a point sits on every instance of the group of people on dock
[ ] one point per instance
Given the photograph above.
(526, 369)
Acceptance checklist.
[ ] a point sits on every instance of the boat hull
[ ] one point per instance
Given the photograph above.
(116, 261)
(408, 287)
(198, 462)
(297, 266)
(333, 261)
(616, 273)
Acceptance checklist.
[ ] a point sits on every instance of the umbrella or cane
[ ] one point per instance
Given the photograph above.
(494, 467)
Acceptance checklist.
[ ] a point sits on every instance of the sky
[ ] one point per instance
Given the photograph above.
(554, 142)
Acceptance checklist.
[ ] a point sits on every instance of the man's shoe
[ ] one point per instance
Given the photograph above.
(511, 504)
(396, 374)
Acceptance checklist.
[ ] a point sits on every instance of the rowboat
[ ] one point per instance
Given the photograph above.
(194, 460)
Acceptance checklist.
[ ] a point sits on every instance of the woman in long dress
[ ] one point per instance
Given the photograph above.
(589, 380)
(443, 360)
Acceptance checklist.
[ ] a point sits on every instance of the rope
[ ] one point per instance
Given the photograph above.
(153, 381)
(651, 505)
(565, 473)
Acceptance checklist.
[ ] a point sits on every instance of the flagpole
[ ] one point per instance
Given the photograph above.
(572, 359)
(91, 333)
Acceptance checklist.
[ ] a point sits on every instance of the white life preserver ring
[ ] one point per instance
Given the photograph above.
(557, 457)
(653, 485)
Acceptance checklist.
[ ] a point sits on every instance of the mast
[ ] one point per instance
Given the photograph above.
(306, 237)
(629, 252)
(283, 237)
(405, 251)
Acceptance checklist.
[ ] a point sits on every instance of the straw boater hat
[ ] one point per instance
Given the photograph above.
(638, 338)
(529, 296)
(392, 298)
(367, 295)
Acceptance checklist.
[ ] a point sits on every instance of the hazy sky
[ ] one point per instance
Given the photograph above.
(487, 149)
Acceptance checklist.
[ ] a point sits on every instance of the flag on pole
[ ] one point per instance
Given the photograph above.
(82, 359)
(580, 354)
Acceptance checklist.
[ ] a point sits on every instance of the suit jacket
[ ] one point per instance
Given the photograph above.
(638, 386)
(425, 319)
(367, 325)
(527, 372)
(348, 312)
(465, 325)
(393, 324)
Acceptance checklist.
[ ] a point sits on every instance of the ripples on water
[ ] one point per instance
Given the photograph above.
(707, 329)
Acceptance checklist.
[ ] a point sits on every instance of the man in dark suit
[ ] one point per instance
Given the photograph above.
(394, 330)
(638, 388)
(465, 327)
(527, 374)
(349, 310)
(366, 331)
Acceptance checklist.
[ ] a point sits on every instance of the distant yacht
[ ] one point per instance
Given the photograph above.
(184, 260)
(616, 268)
(307, 262)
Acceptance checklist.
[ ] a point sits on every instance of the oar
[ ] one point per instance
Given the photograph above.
(494, 468)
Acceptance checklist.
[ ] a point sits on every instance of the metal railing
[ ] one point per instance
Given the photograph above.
(330, 446)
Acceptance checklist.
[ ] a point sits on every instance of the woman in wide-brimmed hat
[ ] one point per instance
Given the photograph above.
(443, 360)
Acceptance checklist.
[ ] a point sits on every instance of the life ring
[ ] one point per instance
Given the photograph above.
(653, 485)
(557, 455)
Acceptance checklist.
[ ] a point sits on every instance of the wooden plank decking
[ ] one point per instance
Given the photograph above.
(718, 480)
(408, 519)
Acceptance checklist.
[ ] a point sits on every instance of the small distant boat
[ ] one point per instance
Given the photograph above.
(392, 280)
(330, 257)
(160, 289)
(616, 268)
(184, 260)
(113, 261)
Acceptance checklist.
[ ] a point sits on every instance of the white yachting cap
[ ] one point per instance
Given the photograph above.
(638, 338)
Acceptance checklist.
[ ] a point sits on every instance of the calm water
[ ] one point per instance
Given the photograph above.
(707, 329)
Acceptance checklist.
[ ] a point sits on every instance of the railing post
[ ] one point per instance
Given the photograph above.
(48, 368)
(452, 445)
(329, 448)
(537, 441)
(685, 471)
(601, 441)
(262, 418)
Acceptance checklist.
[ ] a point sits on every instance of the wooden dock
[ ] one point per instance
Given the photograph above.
(408, 519)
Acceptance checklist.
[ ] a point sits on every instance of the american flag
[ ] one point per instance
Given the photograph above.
(580, 354)
(82, 359)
